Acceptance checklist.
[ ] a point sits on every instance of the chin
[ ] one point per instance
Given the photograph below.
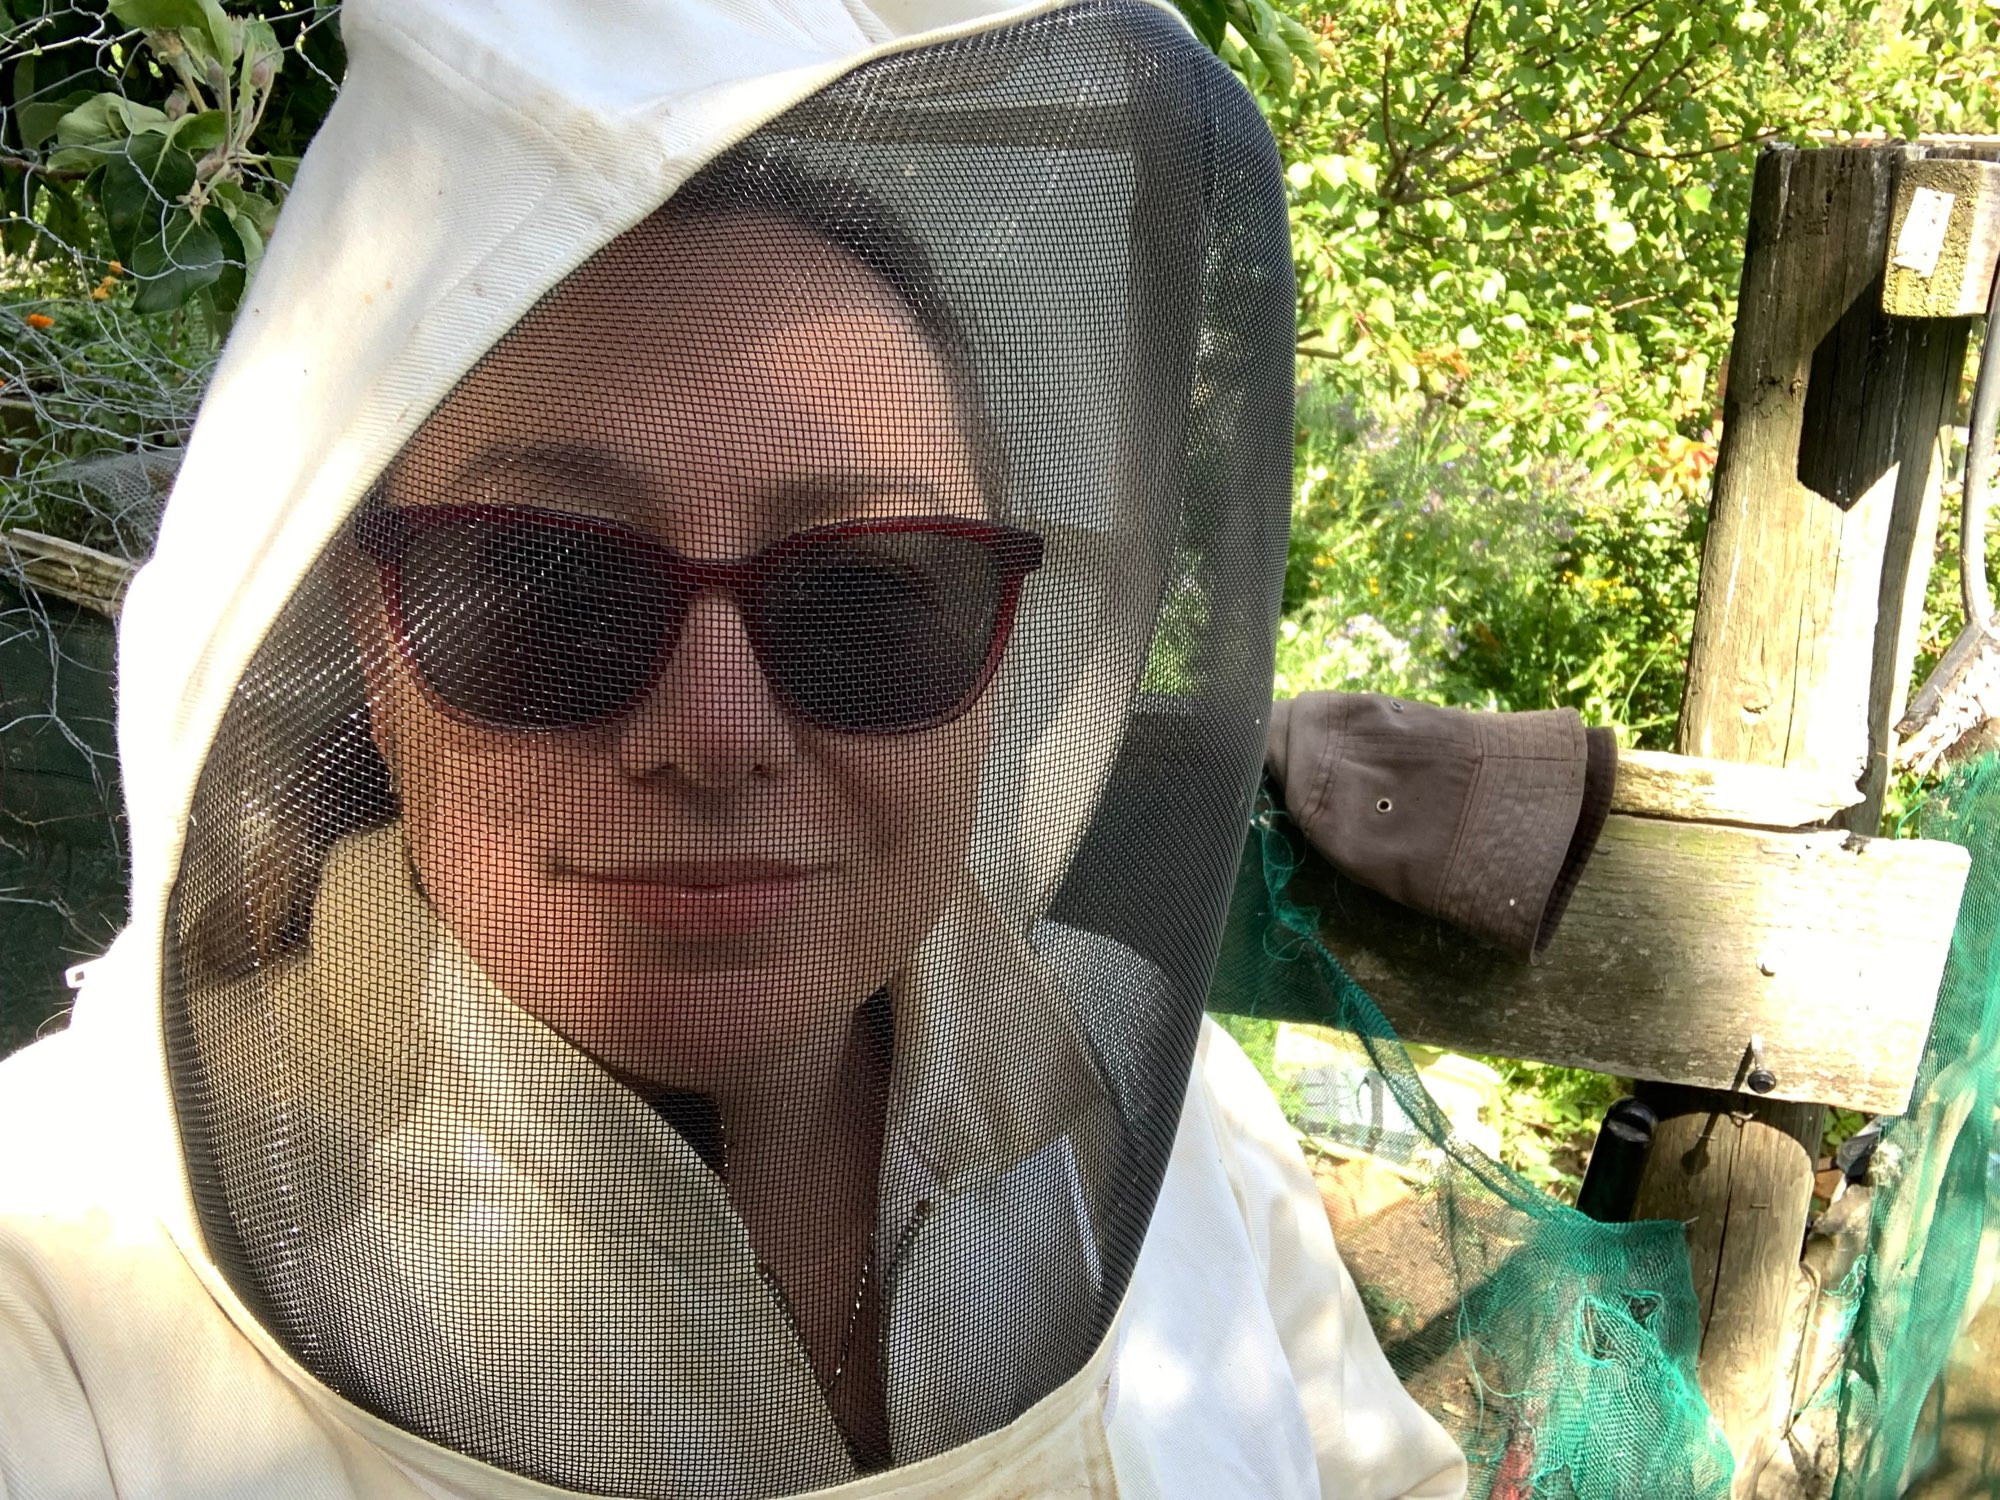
(690, 1029)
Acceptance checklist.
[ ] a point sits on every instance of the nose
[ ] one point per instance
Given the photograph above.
(711, 718)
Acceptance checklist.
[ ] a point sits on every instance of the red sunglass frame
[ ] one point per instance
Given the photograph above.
(385, 534)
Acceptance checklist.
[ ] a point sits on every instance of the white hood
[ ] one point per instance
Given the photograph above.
(480, 153)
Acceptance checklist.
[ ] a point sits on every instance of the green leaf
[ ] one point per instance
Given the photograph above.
(39, 118)
(261, 212)
(1266, 40)
(260, 47)
(65, 215)
(127, 200)
(246, 214)
(175, 263)
(140, 188)
(166, 166)
(203, 18)
(1209, 18)
(48, 85)
(1300, 41)
(1698, 196)
(104, 118)
(237, 261)
(201, 132)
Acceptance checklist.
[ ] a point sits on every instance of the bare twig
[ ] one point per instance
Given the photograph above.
(39, 169)
(1618, 143)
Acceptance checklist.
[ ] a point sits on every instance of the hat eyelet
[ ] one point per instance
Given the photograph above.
(1384, 805)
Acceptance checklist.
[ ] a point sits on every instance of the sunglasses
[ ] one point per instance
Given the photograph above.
(523, 619)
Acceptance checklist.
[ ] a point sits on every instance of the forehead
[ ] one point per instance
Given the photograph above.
(709, 369)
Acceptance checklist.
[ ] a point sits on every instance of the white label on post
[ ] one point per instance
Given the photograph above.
(1918, 246)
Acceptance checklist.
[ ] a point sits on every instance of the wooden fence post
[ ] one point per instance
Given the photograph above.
(1820, 528)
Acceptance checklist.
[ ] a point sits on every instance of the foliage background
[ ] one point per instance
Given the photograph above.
(1518, 231)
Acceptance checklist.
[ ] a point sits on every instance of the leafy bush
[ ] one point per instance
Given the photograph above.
(144, 149)
(1423, 564)
(1518, 228)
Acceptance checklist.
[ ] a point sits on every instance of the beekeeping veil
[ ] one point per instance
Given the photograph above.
(694, 713)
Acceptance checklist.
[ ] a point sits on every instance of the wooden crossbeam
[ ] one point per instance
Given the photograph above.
(1682, 942)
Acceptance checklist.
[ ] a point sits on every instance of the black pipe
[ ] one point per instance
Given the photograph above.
(1611, 1181)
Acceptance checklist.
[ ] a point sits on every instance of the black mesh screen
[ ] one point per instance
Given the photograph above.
(692, 931)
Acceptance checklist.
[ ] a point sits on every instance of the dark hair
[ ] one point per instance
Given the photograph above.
(755, 179)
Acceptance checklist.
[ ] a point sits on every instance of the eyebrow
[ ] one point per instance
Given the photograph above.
(824, 493)
(588, 472)
(581, 471)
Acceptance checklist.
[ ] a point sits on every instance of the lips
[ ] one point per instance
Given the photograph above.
(701, 898)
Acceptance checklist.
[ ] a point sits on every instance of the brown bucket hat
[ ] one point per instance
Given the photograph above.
(1484, 820)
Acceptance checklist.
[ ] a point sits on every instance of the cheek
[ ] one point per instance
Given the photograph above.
(475, 805)
(915, 798)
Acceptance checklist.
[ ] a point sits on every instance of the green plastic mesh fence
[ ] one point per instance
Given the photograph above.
(1917, 1396)
(1558, 1351)
(1561, 1352)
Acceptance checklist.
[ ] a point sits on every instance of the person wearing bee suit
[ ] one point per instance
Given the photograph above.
(687, 737)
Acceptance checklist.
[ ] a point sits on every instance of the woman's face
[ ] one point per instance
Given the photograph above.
(705, 884)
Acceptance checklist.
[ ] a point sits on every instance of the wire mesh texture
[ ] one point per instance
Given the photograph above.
(640, 992)
(96, 398)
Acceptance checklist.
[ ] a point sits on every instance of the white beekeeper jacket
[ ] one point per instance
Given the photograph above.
(478, 153)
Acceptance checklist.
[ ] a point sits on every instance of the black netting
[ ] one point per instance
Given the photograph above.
(693, 929)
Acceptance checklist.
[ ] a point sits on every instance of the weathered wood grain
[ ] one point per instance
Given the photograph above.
(1692, 788)
(1805, 481)
(68, 570)
(1769, 1154)
(1823, 503)
(1925, 407)
(1660, 968)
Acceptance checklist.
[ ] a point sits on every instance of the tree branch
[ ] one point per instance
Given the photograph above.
(1464, 66)
(1397, 161)
(1465, 53)
(37, 169)
(1619, 143)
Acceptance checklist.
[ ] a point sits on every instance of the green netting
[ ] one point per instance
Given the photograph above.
(1559, 1351)
(1918, 1395)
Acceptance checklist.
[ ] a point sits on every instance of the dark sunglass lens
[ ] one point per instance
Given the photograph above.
(881, 631)
(531, 625)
